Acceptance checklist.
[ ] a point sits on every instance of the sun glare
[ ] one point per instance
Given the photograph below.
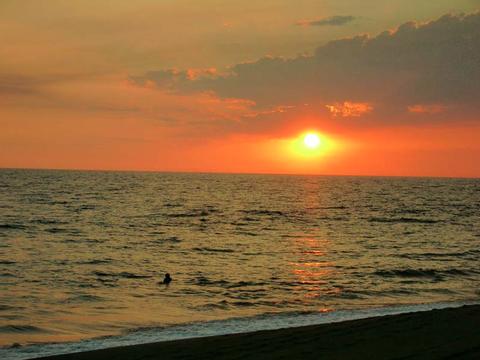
(310, 148)
(311, 145)
(311, 140)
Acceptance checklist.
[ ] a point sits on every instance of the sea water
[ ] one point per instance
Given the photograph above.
(82, 254)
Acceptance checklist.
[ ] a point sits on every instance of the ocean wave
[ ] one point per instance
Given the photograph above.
(104, 274)
(123, 274)
(156, 232)
(55, 230)
(77, 240)
(172, 205)
(128, 275)
(7, 262)
(332, 218)
(57, 202)
(223, 305)
(213, 250)
(250, 219)
(246, 295)
(422, 273)
(246, 284)
(7, 274)
(86, 207)
(403, 220)
(184, 215)
(436, 255)
(49, 222)
(247, 233)
(171, 239)
(193, 213)
(95, 262)
(83, 298)
(401, 292)
(264, 212)
(21, 329)
(243, 303)
(410, 211)
(4, 307)
(12, 226)
(203, 281)
(108, 282)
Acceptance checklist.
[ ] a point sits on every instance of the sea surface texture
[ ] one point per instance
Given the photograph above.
(82, 253)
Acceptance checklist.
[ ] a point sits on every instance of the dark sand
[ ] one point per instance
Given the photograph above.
(438, 334)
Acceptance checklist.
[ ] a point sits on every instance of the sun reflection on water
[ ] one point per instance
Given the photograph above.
(312, 268)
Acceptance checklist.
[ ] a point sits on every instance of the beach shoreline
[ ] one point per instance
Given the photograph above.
(435, 334)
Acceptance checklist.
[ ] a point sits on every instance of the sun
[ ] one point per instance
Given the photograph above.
(311, 145)
(311, 140)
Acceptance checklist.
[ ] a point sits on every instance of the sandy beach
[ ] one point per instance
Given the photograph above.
(438, 334)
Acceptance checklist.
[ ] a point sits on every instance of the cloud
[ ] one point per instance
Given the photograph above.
(349, 109)
(406, 71)
(427, 109)
(18, 85)
(173, 78)
(22, 85)
(337, 20)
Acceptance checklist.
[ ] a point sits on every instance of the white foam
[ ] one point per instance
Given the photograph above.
(218, 327)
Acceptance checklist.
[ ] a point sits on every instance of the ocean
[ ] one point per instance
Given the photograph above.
(83, 253)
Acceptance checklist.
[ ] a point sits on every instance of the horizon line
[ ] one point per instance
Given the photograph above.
(238, 173)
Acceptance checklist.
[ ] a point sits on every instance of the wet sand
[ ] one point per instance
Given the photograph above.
(437, 334)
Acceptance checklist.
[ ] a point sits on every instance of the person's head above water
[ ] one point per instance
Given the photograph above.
(167, 279)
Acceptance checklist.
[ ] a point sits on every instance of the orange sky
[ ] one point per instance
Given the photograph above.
(391, 89)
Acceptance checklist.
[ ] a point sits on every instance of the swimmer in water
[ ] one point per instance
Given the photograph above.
(167, 279)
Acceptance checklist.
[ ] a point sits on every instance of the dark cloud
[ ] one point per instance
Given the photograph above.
(18, 85)
(417, 70)
(173, 78)
(165, 79)
(337, 20)
(15, 84)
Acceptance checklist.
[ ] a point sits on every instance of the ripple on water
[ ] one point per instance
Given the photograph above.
(12, 227)
(432, 274)
(123, 274)
(7, 262)
(403, 220)
(213, 250)
(21, 328)
(83, 298)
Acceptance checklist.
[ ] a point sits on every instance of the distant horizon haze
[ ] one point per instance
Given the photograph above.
(238, 173)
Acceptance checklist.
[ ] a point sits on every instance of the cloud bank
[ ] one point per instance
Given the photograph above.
(430, 69)
(337, 20)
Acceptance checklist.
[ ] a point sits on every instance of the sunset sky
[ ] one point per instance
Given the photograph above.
(389, 87)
